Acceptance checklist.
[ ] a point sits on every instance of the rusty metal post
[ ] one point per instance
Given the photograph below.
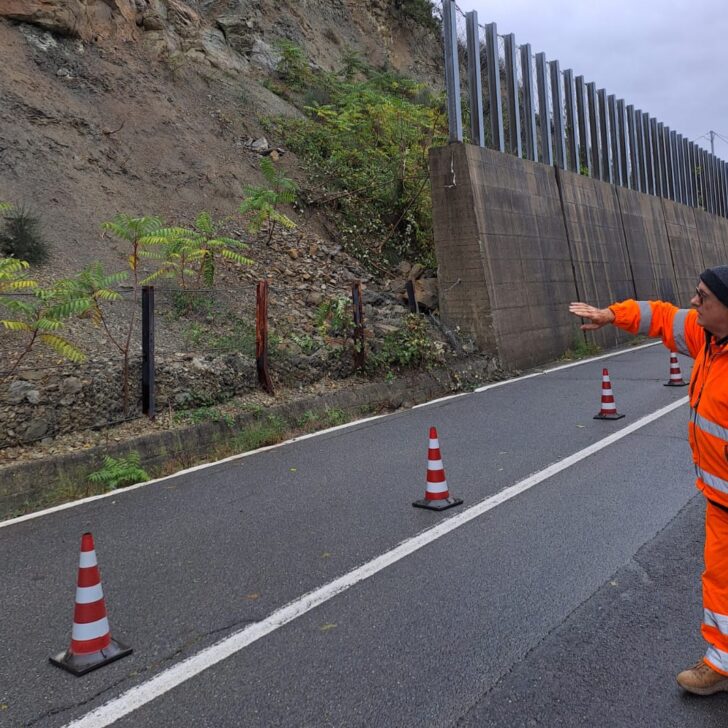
(359, 353)
(261, 336)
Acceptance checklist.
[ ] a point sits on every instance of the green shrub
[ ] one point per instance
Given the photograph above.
(293, 67)
(368, 149)
(419, 11)
(409, 346)
(21, 236)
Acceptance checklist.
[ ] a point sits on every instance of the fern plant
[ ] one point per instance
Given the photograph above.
(133, 230)
(119, 471)
(192, 253)
(39, 318)
(333, 318)
(91, 288)
(260, 203)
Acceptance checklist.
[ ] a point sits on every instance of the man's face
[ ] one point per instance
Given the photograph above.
(712, 314)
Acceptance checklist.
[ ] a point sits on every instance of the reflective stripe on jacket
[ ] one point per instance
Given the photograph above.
(708, 429)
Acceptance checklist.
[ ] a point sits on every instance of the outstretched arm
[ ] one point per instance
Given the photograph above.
(598, 317)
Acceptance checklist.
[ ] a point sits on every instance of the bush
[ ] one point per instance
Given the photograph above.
(368, 147)
(21, 236)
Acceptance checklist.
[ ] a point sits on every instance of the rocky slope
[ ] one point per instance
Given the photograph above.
(151, 107)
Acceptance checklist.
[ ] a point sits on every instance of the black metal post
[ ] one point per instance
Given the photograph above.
(148, 407)
(411, 299)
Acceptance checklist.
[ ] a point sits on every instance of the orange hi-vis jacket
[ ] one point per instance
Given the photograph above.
(708, 429)
(708, 434)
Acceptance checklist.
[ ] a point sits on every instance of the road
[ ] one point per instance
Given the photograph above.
(297, 586)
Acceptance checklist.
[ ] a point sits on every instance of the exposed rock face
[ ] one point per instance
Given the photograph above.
(85, 19)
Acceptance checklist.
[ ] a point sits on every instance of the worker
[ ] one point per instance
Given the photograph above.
(701, 333)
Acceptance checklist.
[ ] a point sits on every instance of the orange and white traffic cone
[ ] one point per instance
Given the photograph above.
(91, 643)
(608, 410)
(676, 379)
(437, 496)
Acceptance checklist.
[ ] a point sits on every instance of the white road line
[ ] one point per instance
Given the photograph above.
(165, 681)
(203, 466)
(539, 373)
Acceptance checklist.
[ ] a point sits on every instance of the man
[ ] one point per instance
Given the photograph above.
(702, 333)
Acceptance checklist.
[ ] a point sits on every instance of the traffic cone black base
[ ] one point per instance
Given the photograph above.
(438, 505)
(675, 379)
(615, 416)
(81, 664)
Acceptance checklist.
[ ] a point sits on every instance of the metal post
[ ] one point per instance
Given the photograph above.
(359, 352)
(591, 91)
(582, 112)
(572, 146)
(633, 179)
(558, 114)
(696, 175)
(679, 178)
(694, 185)
(663, 158)
(604, 136)
(714, 184)
(718, 186)
(656, 158)
(544, 113)
(670, 165)
(475, 84)
(688, 172)
(529, 103)
(641, 153)
(708, 180)
(411, 298)
(615, 129)
(622, 139)
(148, 384)
(494, 92)
(649, 154)
(704, 188)
(261, 336)
(677, 168)
(452, 70)
(514, 113)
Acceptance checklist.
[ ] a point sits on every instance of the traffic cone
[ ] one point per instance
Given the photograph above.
(609, 408)
(91, 643)
(676, 379)
(437, 497)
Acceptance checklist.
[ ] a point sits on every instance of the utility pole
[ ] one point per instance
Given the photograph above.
(712, 141)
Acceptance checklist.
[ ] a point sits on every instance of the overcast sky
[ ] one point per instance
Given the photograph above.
(667, 57)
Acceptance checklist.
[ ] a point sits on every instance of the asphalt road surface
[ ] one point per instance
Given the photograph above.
(297, 586)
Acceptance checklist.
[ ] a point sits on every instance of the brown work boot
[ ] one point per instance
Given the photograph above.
(702, 679)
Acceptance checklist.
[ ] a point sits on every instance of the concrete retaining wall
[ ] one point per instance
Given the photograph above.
(516, 241)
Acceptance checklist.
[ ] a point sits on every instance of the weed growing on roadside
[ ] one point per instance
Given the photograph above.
(581, 349)
(268, 432)
(119, 471)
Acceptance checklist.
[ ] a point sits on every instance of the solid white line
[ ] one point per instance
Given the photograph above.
(570, 364)
(203, 466)
(537, 374)
(165, 681)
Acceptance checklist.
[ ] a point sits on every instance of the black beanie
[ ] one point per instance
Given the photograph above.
(717, 281)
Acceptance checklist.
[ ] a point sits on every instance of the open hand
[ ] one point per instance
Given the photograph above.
(598, 317)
